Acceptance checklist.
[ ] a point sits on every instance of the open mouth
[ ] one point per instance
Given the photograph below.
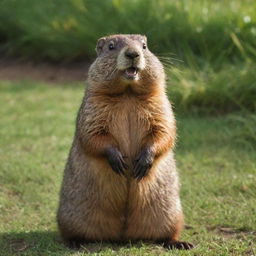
(131, 73)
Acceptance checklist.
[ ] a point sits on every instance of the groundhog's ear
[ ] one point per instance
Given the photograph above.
(100, 45)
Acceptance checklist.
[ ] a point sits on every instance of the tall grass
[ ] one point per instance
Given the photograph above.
(210, 30)
(208, 91)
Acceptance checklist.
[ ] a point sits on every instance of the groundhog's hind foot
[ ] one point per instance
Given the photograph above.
(75, 243)
(180, 245)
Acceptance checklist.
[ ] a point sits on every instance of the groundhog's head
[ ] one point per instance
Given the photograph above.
(124, 61)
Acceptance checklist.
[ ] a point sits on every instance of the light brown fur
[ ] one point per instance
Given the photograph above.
(96, 203)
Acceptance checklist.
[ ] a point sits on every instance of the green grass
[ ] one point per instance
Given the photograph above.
(212, 31)
(214, 155)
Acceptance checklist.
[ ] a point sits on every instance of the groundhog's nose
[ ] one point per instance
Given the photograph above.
(131, 54)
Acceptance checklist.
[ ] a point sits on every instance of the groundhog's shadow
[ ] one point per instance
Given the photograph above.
(47, 242)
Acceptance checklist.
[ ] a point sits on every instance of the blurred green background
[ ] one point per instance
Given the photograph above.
(208, 49)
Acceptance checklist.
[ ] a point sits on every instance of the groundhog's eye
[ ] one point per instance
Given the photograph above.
(144, 46)
(111, 46)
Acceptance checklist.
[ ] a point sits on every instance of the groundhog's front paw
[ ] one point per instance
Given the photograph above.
(143, 163)
(116, 160)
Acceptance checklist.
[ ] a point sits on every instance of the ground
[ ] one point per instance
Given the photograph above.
(15, 69)
(37, 125)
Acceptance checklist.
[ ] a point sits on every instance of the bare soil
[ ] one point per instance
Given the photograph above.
(11, 69)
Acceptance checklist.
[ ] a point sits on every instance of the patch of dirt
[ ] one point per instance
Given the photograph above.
(13, 69)
(230, 232)
(18, 245)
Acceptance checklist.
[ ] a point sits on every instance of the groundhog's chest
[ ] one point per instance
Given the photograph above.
(129, 123)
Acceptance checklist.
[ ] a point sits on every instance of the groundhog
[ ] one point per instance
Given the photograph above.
(120, 181)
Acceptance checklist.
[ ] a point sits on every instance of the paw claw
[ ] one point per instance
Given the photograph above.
(143, 163)
(180, 245)
(116, 161)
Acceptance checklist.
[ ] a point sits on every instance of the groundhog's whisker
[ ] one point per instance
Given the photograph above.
(167, 65)
(168, 62)
(167, 58)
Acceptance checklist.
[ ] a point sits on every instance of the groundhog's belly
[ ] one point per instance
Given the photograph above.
(129, 128)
